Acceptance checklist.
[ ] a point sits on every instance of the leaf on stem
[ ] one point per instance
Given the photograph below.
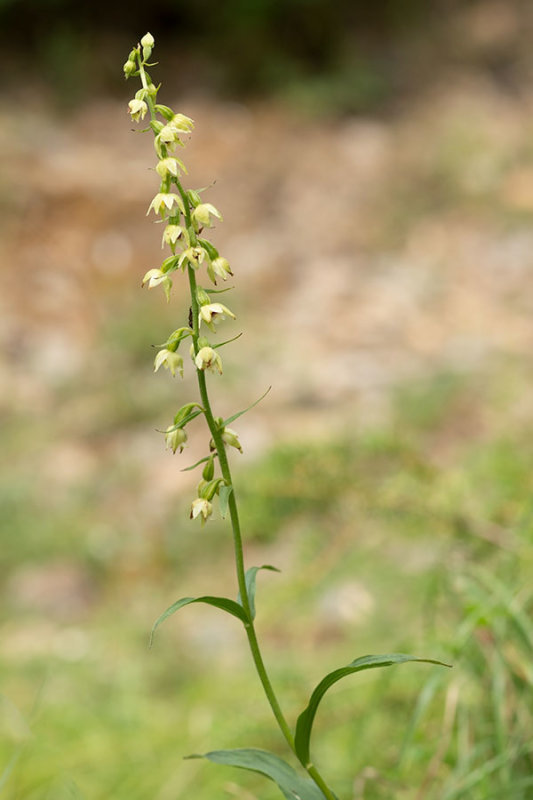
(271, 766)
(193, 466)
(223, 499)
(229, 420)
(306, 718)
(220, 291)
(224, 603)
(228, 341)
(181, 423)
(250, 577)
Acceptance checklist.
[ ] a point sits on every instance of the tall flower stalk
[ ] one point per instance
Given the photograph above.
(186, 218)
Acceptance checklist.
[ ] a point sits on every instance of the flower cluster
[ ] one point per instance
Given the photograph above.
(185, 216)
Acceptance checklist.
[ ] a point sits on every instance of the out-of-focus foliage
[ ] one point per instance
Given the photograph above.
(381, 538)
(345, 49)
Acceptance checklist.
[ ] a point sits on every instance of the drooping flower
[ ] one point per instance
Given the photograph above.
(137, 109)
(194, 255)
(219, 267)
(201, 215)
(155, 277)
(175, 438)
(207, 358)
(212, 313)
(231, 437)
(164, 202)
(170, 360)
(201, 508)
(169, 166)
(171, 234)
(182, 123)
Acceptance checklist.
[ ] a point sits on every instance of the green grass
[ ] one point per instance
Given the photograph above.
(420, 532)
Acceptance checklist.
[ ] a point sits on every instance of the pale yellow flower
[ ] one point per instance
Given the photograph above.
(207, 358)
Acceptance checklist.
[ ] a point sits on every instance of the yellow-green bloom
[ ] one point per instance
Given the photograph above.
(194, 255)
(219, 267)
(175, 438)
(201, 508)
(230, 437)
(201, 215)
(207, 358)
(170, 360)
(154, 277)
(170, 166)
(137, 109)
(164, 202)
(171, 234)
(182, 123)
(212, 313)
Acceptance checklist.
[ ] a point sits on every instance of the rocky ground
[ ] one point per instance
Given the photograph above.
(366, 251)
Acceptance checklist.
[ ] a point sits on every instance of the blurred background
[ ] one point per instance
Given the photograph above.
(374, 165)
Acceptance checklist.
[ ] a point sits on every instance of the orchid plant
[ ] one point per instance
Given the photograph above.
(187, 218)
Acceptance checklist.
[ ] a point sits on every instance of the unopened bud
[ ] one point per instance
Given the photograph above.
(129, 68)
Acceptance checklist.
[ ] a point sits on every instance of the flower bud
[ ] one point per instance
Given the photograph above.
(208, 471)
(148, 40)
(147, 43)
(202, 296)
(129, 67)
(175, 438)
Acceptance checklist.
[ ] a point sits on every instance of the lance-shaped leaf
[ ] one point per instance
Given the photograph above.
(193, 466)
(292, 785)
(251, 575)
(228, 341)
(229, 420)
(223, 499)
(230, 606)
(306, 718)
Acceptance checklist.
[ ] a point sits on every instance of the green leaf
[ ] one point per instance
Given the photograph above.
(251, 575)
(209, 247)
(181, 422)
(223, 499)
(306, 718)
(193, 466)
(224, 603)
(220, 291)
(240, 413)
(271, 766)
(228, 341)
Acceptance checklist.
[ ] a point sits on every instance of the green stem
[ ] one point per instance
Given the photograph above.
(232, 502)
(235, 524)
